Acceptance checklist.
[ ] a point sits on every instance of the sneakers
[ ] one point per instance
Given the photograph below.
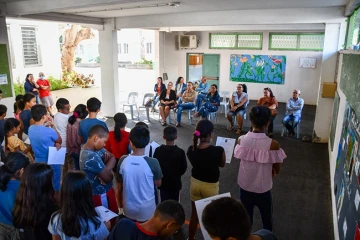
(178, 125)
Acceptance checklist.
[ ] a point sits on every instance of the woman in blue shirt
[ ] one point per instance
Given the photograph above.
(10, 174)
(211, 103)
(31, 86)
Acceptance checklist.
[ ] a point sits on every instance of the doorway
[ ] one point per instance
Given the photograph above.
(200, 64)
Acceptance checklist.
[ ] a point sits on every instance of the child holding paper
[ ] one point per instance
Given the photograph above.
(41, 138)
(97, 163)
(77, 217)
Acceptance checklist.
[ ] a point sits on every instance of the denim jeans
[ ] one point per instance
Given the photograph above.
(181, 107)
(263, 201)
(155, 100)
(206, 109)
(199, 100)
(290, 122)
(271, 125)
(37, 99)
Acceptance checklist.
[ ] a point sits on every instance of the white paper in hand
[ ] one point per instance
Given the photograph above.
(105, 214)
(154, 146)
(27, 141)
(228, 145)
(56, 157)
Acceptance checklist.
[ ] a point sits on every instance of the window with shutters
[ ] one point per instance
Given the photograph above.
(149, 48)
(31, 48)
(297, 41)
(126, 48)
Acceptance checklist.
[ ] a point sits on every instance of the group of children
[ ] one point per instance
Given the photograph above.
(59, 201)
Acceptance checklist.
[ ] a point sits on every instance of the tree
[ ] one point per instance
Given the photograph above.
(70, 40)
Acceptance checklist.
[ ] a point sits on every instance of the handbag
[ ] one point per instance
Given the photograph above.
(148, 103)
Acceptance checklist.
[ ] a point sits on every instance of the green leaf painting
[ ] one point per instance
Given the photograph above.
(257, 68)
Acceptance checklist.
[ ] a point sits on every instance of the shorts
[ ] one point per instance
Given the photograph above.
(200, 190)
(239, 112)
(47, 101)
(169, 105)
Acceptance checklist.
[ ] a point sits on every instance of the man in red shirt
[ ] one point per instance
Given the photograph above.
(44, 92)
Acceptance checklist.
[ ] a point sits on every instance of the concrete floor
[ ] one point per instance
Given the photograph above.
(301, 192)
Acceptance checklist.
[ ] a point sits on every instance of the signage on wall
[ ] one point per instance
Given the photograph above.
(308, 63)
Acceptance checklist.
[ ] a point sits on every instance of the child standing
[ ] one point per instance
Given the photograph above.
(29, 100)
(12, 142)
(3, 110)
(119, 138)
(260, 162)
(73, 140)
(10, 175)
(77, 217)
(97, 163)
(18, 106)
(42, 138)
(173, 165)
(93, 106)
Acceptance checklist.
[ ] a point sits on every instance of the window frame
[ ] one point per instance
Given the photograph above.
(298, 42)
(237, 41)
(38, 45)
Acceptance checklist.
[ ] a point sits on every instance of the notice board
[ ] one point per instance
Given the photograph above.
(5, 79)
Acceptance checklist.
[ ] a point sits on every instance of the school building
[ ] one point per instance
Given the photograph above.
(282, 44)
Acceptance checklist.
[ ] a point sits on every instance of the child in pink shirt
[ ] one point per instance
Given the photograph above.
(260, 162)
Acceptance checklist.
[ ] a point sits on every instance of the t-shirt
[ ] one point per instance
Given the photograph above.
(265, 234)
(73, 141)
(88, 123)
(25, 117)
(60, 122)
(206, 163)
(41, 139)
(138, 174)
(2, 123)
(126, 229)
(118, 149)
(92, 164)
(43, 83)
(173, 165)
(55, 228)
(8, 201)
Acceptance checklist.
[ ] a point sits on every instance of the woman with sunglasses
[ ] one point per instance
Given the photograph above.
(269, 101)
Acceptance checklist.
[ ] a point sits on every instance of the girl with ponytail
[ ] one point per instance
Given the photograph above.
(10, 174)
(118, 139)
(73, 140)
(205, 160)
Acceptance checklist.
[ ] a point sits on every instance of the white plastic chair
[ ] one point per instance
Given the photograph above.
(212, 117)
(131, 103)
(225, 101)
(147, 96)
(297, 130)
(190, 113)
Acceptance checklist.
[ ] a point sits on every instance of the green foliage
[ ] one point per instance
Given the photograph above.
(56, 84)
(97, 59)
(76, 79)
(145, 62)
(78, 60)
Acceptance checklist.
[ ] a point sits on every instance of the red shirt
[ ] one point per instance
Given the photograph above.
(118, 148)
(44, 83)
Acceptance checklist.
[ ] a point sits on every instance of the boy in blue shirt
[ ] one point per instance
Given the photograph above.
(41, 138)
(93, 105)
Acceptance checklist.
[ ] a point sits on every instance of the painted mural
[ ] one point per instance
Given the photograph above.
(257, 68)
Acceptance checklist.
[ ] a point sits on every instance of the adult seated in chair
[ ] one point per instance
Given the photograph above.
(294, 107)
(269, 101)
(188, 102)
(167, 101)
(202, 91)
(180, 87)
(158, 88)
(238, 102)
(211, 103)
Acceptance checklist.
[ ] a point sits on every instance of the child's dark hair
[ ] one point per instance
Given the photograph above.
(27, 97)
(3, 109)
(270, 91)
(35, 195)
(77, 207)
(204, 128)
(38, 111)
(171, 210)
(139, 136)
(9, 124)
(244, 88)
(16, 161)
(19, 97)
(0, 91)
(260, 116)
(120, 122)
(98, 130)
(142, 124)
(170, 133)
(61, 102)
(79, 112)
(93, 104)
(226, 217)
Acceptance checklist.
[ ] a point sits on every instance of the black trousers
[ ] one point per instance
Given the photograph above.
(169, 195)
(263, 201)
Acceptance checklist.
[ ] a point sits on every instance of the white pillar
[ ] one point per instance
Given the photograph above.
(9, 101)
(332, 44)
(108, 49)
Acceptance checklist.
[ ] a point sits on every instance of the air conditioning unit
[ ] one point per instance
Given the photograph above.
(187, 41)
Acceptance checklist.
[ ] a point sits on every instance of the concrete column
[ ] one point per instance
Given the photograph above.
(159, 53)
(108, 49)
(332, 44)
(8, 102)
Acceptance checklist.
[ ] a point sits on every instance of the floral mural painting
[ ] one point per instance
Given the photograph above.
(258, 68)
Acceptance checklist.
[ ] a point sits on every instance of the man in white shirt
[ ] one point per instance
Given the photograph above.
(294, 107)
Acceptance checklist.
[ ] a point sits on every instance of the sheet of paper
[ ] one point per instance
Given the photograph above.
(3, 79)
(56, 157)
(27, 141)
(228, 144)
(345, 228)
(357, 165)
(105, 214)
(357, 199)
(200, 205)
(154, 146)
(3, 144)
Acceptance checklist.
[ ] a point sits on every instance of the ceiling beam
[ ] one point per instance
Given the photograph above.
(42, 6)
(351, 7)
(235, 17)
